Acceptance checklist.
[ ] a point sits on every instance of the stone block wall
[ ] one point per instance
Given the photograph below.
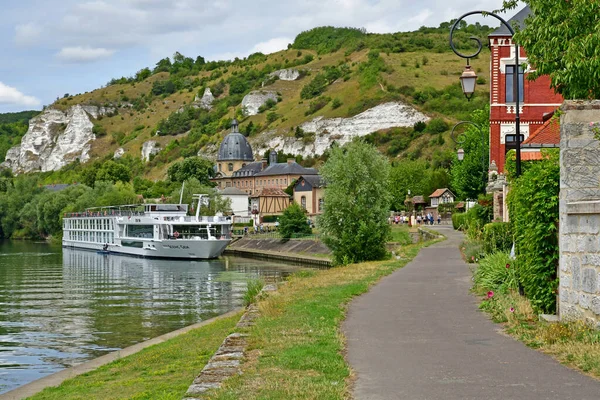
(579, 274)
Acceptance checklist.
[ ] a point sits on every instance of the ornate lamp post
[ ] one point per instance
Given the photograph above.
(469, 78)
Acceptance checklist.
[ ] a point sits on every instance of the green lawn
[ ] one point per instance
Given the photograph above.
(163, 371)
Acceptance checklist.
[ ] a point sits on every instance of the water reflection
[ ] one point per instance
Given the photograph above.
(60, 308)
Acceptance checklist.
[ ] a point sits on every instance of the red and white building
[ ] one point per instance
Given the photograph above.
(537, 98)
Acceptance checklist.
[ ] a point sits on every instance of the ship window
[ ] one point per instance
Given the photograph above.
(132, 243)
(140, 231)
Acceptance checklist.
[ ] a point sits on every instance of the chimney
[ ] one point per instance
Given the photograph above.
(291, 160)
(264, 163)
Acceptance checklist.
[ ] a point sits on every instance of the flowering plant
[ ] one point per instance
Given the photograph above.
(595, 128)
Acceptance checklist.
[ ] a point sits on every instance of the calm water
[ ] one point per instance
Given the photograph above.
(60, 307)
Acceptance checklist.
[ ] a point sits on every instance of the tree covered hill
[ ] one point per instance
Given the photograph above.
(344, 71)
(12, 128)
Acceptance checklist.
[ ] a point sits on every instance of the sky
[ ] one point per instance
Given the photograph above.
(50, 47)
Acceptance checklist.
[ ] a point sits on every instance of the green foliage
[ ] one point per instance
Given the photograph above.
(533, 207)
(417, 177)
(254, 288)
(473, 251)
(369, 71)
(357, 202)
(469, 176)
(293, 222)
(192, 167)
(22, 116)
(336, 103)
(99, 130)
(109, 171)
(576, 73)
(437, 125)
(193, 186)
(476, 218)
(459, 221)
(317, 104)
(323, 79)
(497, 273)
(419, 126)
(327, 39)
(497, 236)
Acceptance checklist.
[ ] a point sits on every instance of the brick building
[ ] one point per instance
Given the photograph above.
(537, 98)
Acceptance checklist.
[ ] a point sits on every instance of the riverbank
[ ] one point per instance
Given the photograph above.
(297, 251)
(295, 347)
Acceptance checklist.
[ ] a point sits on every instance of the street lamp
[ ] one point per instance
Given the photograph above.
(469, 78)
(459, 138)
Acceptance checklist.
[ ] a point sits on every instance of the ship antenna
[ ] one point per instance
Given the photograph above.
(181, 194)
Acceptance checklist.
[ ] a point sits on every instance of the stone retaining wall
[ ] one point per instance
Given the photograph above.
(579, 232)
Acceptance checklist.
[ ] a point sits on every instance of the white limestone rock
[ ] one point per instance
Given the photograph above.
(342, 130)
(286, 74)
(54, 139)
(253, 100)
(149, 148)
(120, 152)
(96, 112)
(206, 101)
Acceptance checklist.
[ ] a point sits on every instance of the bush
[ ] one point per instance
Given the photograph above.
(336, 103)
(437, 125)
(459, 221)
(497, 236)
(496, 272)
(317, 104)
(533, 205)
(473, 251)
(99, 130)
(254, 288)
(293, 222)
(419, 126)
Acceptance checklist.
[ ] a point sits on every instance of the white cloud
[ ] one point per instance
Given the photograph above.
(80, 54)
(272, 45)
(27, 34)
(11, 96)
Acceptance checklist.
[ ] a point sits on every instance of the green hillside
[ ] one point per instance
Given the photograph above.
(12, 128)
(345, 71)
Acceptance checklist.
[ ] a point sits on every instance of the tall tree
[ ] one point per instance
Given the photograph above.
(469, 176)
(357, 203)
(562, 40)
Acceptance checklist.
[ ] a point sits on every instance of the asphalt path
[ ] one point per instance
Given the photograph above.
(418, 334)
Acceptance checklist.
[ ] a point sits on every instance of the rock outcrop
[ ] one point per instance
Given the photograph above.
(253, 100)
(286, 74)
(55, 139)
(206, 101)
(343, 130)
(120, 152)
(149, 148)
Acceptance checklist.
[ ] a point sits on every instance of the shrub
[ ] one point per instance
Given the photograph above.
(99, 130)
(336, 103)
(293, 222)
(473, 251)
(437, 125)
(496, 272)
(533, 205)
(459, 221)
(419, 126)
(497, 236)
(317, 104)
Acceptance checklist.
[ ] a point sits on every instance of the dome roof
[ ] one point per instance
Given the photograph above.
(235, 147)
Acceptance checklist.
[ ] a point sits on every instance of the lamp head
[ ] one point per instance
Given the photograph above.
(468, 79)
(460, 154)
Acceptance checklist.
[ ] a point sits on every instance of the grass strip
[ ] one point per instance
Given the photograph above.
(574, 344)
(163, 371)
(296, 347)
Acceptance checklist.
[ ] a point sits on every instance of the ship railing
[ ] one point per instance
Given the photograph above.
(106, 213)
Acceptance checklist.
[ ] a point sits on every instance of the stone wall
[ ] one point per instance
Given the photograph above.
(579, 273)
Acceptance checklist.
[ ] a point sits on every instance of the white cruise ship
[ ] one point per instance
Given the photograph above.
(149, 230)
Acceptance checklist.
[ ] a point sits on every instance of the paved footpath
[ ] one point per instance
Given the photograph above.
(418, 334)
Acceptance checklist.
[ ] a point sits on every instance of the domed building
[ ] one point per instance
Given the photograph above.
(235, 152)
(236, 167)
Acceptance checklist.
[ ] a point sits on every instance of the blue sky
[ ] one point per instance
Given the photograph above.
(52, 47)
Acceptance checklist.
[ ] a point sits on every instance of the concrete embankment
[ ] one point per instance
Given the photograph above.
(300, 251)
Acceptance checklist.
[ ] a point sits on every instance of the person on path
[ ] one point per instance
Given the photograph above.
(439, 219)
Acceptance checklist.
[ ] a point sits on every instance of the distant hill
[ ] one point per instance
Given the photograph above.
(21, 116)
(342, 72)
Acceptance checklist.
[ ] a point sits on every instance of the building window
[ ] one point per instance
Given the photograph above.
(230, 166)
(510, 89)
(303, 202)
(321, 204)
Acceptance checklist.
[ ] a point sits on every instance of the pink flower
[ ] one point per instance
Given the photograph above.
(512, 309)
(507, 266)
(472, 258)
(490, 294)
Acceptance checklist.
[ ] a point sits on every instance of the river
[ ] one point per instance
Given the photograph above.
(61, 307)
